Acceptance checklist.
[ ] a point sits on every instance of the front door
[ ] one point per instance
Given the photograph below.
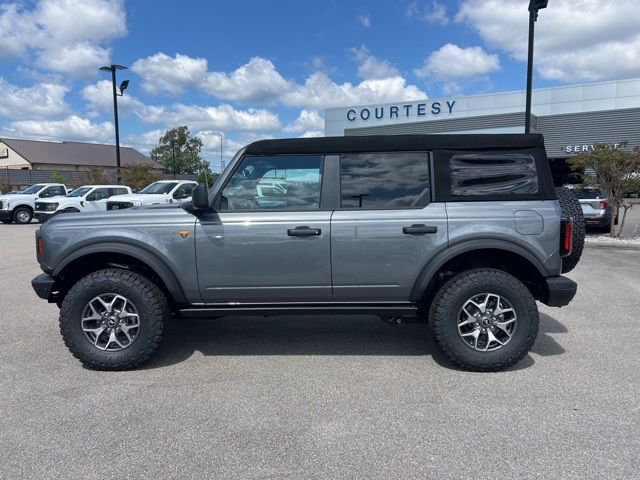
(269, 240)
(386, 228)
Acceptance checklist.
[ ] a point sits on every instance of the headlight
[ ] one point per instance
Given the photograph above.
(51, 207)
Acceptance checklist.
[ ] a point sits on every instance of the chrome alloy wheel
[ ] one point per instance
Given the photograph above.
(486, 322)
(110, 322)
(22, 216)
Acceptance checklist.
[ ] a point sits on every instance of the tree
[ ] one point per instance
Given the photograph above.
(56, 177)
(179, 152)
(97, 176)
(138, 176)
(617, 170)
(206, 176)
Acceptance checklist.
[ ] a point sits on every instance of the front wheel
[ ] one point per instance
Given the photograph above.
(22, 215)
(484, 319)
(113, 319)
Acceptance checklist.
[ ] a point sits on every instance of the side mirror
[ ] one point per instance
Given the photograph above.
(200, 197)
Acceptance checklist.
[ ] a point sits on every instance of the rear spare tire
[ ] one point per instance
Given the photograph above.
(570, 206)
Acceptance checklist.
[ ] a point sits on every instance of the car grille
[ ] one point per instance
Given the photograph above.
(118, 205)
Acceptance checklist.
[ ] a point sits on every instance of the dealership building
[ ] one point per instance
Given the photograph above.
(572, 118)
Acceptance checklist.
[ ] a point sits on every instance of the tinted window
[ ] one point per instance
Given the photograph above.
(33, 189)
(118, 191)
(159, 188)
(384, 180)
(183, 191)
(493, 174)
(79, 192)
(54, 191)
(99, 194)
(288, 182)
(588, 193)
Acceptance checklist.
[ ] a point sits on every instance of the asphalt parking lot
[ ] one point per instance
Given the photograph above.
(314, 397)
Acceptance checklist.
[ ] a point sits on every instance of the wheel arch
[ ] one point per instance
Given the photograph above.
(490, 253)
(94, 257)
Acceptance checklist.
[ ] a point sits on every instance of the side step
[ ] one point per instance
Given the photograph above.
(397, 310)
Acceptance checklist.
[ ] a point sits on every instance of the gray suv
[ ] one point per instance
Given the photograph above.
(463, 231)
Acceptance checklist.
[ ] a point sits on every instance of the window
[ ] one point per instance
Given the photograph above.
(53, 192)
(287, 182)
(184, 191)
(493, 174)
(98, 194)
(118, 191)
(384, 180)
(159, 188)
(79, 192)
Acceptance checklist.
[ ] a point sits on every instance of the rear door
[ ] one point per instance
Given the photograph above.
(269, 239)
(385, 228)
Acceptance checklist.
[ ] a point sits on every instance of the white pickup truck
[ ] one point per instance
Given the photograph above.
(19, 207)
(157, 193)
(88, 198)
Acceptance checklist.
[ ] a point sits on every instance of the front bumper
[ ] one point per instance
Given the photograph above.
(560, 291)
(43, 285)
(6, 214)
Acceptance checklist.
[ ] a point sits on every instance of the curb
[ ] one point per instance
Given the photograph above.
(623, 246)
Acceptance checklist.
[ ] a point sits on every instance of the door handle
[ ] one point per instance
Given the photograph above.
(303, 232)
(419, 229)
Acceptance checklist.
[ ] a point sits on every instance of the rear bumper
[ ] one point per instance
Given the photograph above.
(598, 221)
(43, 285)
(560, 291)
(6, 214)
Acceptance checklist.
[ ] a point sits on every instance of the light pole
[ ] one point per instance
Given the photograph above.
(534, 6)
(123, 86)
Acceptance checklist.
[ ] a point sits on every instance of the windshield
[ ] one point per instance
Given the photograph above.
(78, 192)
(32, 189)
(159, 187)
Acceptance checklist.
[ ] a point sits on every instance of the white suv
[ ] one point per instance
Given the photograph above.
(88, 198)
(19, 207)
(157, 193)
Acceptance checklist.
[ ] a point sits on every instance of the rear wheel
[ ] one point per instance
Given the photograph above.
(484, 319)
(22, 215)
(113, 319)
(570, 206)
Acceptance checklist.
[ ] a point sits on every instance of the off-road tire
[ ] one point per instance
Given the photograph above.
(149, 300)
(18, 211)
(446, 305)
(570, 206)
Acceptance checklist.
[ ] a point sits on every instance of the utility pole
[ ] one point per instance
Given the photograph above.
(123, 85)
(534, 6)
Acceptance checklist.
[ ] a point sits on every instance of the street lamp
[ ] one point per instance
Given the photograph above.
(123, 86)
(534, 6)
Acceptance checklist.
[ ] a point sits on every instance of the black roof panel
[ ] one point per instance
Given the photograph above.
(382, 143)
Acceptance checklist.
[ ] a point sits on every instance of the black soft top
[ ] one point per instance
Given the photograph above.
(385, 143)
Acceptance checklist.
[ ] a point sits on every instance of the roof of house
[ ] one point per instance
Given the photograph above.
(377, 143)
(76, 153)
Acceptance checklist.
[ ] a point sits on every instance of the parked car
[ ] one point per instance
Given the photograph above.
(88, 198)
(463, 231)
(19, 207)
(596, 208)
(157, 193)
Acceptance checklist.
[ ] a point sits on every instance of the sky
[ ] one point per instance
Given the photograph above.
(237, 71)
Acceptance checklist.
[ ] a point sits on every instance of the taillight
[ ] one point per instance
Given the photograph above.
(40, 246)
(566, 236)
(603, 204)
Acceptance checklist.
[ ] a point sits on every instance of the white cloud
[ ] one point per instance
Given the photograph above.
(365, 20)
(452, 62)
(309, 120)
(258, 81)
(576, 40)
(64, 36)
(164, 74)
(312, 133)
(44, 100)
(372, 67)
(436, 14)
(69, 128)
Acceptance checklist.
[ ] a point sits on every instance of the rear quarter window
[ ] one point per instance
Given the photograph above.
(477, 174)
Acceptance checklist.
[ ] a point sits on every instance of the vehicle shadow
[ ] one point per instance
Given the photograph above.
(315, 335)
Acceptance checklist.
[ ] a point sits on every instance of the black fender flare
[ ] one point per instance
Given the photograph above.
(449, 253)
(147, 257)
